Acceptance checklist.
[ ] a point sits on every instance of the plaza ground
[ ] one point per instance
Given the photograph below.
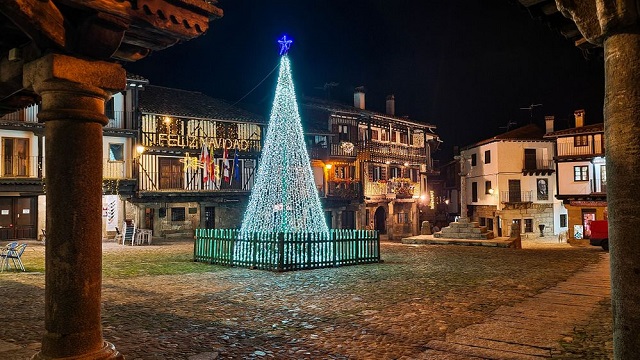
(157, 304)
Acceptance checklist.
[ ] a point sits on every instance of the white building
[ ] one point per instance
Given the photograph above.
(510, 178)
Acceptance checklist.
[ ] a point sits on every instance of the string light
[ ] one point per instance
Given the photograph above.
(284, 197)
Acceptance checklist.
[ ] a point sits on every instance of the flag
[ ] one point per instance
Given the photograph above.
(225, 165)
(214, 171)
(205, 161)
(236, 166)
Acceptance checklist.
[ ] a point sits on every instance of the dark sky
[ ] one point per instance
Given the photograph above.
(465, 66)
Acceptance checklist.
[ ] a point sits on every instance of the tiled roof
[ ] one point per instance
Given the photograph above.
(193, 104)
(529, 132)
(588, 129)
(351, 110)
(136, 77)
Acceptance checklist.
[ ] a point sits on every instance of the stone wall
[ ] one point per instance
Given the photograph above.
(539, 213)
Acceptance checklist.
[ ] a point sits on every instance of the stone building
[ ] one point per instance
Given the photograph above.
(510, 180)
(381, 160)
(581, 174)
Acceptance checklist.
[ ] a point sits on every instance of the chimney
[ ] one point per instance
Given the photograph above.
(579, 114)
(391, 105)
(358, 97)
(548, 121)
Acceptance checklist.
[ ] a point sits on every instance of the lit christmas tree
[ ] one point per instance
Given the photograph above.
(284, 198)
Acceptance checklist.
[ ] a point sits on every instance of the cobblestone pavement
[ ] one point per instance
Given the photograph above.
(382, 311)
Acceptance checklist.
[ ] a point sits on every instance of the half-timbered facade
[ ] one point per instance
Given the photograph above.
(375, 166)
(195, 162)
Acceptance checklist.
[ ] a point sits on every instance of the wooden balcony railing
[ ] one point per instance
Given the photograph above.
(595, 148)
(381, 152)
(344, 189)
(186, 181)
(394, 188)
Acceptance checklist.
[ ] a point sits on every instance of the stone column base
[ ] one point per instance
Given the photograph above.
(108, 352)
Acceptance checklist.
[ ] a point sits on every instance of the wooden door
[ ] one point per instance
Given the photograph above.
(18, 218)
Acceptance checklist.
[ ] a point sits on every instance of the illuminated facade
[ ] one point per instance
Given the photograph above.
(371, 168)
(582, 175)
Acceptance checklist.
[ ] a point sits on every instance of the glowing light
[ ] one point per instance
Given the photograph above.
(140, 149)
(491, 191)
(284, 198)
(285, 45)
(406, 164)
(347, 147)
(432, 200)
(167, 120)
(328, 166)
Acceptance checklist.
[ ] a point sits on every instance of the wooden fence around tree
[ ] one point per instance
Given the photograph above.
(286, 251)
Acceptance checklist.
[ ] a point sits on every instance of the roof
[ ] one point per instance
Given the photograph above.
(582, 130)
(193, 104)
(529, 132)
(336, 107)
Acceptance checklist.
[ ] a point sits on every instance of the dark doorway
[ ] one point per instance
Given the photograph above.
(380, 220)
(348, 220)
(18, 218)
(530, 159)
(149, 214)
(514, 191)
(209, 217)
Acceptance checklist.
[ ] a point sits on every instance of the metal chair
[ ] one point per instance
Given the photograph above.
(13, 252)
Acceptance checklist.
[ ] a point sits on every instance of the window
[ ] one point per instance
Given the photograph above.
(487, 157)
(487, 187)
(15, 152)
(343, 132)
(489, 224)
(171, 175)
(563, 220)
(403, 218)
(482, 221)
(177, 214)
(109, 108)
(116, 152)
(474, 191)
(581, 173)
(385, 136)
(374, 134)
(528, 225)
(377, 173)
(404, 138)
(394, 136)
(473, 160)
(395, 172)
(581, 140)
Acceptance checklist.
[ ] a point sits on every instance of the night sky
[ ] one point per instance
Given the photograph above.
(465, 66)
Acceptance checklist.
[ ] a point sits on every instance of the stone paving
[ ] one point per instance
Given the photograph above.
(421, 299)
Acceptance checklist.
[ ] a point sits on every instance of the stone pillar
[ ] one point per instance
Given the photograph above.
(73, 94)
(463, 187)
(614, 24)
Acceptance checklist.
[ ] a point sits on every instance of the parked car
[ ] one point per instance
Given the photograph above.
(600, 233)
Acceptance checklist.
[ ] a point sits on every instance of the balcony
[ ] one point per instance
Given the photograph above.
(397, 188)
(569, 150)
(21, 167)
(382, 151)
(186, 182)
(538, 167)
(516, 197)
(343, 189)
(120, 119)
(117, 169)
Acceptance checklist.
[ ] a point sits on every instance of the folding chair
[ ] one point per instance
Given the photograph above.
(3, 254)
(15, 255)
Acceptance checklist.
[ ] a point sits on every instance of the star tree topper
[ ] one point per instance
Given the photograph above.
(285, 44)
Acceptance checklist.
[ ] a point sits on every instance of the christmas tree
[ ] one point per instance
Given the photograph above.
(284, 197)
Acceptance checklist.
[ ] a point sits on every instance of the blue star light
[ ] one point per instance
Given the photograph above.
(285, 44)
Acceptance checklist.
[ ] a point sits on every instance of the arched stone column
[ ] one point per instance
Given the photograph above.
(73, 94)
(614, 25)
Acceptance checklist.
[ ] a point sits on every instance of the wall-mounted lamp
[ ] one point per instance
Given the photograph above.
(140, 149)
(328, 166)
(167, 120)
(491, 191)
(446, 201)
(406, 164)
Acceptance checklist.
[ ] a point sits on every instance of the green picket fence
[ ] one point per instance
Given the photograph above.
(286, 251)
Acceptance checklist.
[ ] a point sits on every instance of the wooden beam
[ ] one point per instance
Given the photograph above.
(42, 21)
